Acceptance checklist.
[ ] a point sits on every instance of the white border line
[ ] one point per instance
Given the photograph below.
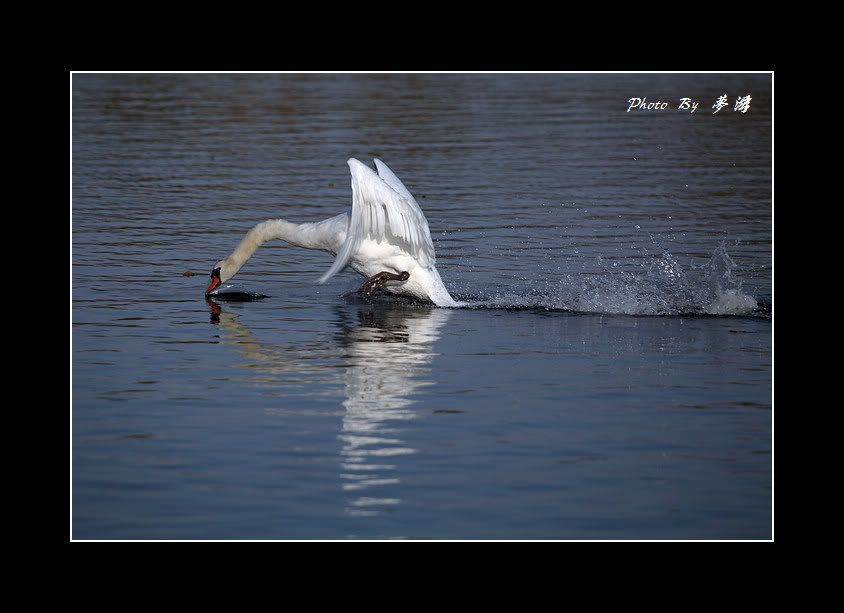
(770, 72)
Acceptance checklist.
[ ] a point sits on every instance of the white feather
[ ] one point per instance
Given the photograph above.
(385, 232)
(375, 196)
(393, 181)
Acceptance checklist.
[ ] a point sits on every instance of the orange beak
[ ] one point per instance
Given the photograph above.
(215, 281)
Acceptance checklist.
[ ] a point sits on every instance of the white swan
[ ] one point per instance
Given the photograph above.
(385, 238)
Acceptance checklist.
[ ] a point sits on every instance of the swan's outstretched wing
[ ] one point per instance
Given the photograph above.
(383, 210)
(393, 181)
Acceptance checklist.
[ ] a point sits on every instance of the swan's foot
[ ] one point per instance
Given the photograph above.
(376, 282)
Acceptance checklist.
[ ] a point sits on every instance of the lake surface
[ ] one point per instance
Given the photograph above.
(613, 379)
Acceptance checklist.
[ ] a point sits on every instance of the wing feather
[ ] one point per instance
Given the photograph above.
(405, 226)
(383, 210)
(379, 220)
(393, 181)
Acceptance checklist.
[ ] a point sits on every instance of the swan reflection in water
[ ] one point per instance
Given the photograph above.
(387, 348)
(389, 352)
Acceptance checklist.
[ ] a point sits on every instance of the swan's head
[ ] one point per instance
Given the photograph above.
(222, 272)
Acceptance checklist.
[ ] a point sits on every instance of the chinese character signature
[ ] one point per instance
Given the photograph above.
(742, 103)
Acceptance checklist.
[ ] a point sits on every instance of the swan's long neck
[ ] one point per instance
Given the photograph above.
(308, 235)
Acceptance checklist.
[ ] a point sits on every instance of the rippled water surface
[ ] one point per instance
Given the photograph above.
(612, 380)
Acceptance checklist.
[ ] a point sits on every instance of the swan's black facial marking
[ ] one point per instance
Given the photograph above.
(215, 281)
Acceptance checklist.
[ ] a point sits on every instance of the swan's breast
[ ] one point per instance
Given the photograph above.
(373, 257)
(424, 283)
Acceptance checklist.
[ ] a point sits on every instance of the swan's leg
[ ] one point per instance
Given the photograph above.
(376, 282)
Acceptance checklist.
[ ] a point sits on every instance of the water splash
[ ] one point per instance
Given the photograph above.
(665, 288)
(728, 297)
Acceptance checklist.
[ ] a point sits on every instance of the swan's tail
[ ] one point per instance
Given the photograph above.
(439, 293)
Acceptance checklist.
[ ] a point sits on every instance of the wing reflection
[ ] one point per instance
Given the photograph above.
(386, 350)
(389, 351)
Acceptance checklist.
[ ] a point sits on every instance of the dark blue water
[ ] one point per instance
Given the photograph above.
(614, 383)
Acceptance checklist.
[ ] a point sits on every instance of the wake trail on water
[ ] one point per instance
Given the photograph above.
(664, 289)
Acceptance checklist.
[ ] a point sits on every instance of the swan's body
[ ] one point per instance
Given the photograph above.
(386, 231)
(370, 257)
